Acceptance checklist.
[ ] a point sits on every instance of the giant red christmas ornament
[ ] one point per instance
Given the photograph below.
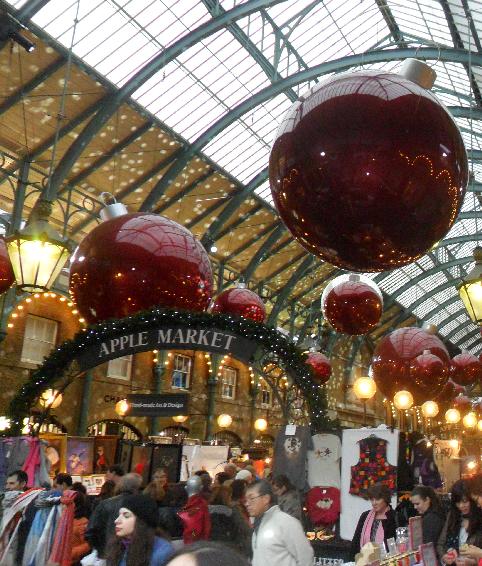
(462, 403)
(429, 373)
(395, 353)
(466, 369)
(352, 304)
(133, 262)
(240, 302)
(320, 366)
(449, 392)
(7, 276)
(360, 158)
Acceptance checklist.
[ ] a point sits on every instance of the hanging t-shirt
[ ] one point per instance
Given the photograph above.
(324, 461)
(290, 452)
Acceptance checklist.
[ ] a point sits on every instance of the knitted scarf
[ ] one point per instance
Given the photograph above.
(42, 531)
(367, 529)
(61, 553)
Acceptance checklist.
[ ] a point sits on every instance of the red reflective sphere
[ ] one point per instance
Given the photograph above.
(240, 302)
(462, 403)
(352, 307)
(320, 366)
(429, 373)
(395, 353)
(136, 262)
(359, 159)
(7, 276)
(466, 369)
(449, 392)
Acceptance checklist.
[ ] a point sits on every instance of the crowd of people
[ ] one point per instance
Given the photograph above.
(233, 518)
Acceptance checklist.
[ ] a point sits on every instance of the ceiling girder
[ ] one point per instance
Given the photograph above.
(249, 243)
(185, 191)
(263, 252)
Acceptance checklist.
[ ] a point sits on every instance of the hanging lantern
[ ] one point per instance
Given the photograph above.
(470, 420)
(452, 416)
(335, 158)
(470, 290)
(134, 262)
(240, 302)
(261, 425)
(320, 366)
(121, 407)
(37, 253)
(352, 304)
(50, 399)
(429, 373)
(430, 409)
(466, 369)
(364, 388)
(403, 400)
(224, 421)
(180, 418)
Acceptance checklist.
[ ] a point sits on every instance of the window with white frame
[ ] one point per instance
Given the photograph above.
(181, 372)
(229, 378)
(266, 396)
(39, 338)
(120, 368)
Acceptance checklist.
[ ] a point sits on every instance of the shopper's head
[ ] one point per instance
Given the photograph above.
(379, 496)
(281, 484)
(230, 469)
(16, 481)
(62, 482)
(259, 498)
(424, 498)
(107, 489)
(160, 476)
(221, 495)
(238, 489)
(475, 489)
(114, 473)
(460, 498)
(220, 478)
(207, 554)
(130, 483)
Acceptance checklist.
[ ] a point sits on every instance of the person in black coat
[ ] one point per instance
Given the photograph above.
(378, 524)
(428, 505)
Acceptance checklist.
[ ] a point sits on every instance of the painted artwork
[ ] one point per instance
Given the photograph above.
(105, 448)
(141, 461)
(80, 455)
(125, 455)
(56, 451)
(167, 456)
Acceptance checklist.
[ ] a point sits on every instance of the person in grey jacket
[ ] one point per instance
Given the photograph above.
(277, 538)
(287, 496)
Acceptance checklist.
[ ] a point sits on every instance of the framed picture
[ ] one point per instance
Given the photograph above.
(167, 456)
(80, 455)
(125, 455)
(141, 461)
(56, 451)
(105, 448)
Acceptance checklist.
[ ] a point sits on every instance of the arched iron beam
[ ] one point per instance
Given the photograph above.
(280, 270)
(251, 212)
(453, 299)
(248, 244)
(111, 103)
(283, 295)
(200, 217)
(454, 331)
(318, 283)
(185, 154)
(263, 251)
(475, 333)
(28, 10)
(231, 207)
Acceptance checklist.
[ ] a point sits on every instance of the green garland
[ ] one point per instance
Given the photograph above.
(269, 339)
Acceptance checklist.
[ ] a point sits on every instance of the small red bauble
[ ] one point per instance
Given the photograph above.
(7, 276)
(352, 304)
(320, 366)
(139, 261)
(462, 403)
(394, 354)
(429, 373)
(240, 302)
(466, 369)
(347, 182)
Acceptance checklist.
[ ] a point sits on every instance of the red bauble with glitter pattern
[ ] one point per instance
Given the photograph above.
(462, 403)
(139, 261)
(368, 171)
(7, 276)
(466, 369)
(240, 302)
(321, 367)
(352, 306)
(449, 392)
(429, 373)
(395, 353)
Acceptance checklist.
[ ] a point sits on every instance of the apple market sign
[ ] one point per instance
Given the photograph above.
(165, 338)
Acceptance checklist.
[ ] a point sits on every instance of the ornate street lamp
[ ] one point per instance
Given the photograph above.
(224, 421)
(470, 290)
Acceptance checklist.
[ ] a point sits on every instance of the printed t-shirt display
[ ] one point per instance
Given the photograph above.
(290, 451)
(324, 461)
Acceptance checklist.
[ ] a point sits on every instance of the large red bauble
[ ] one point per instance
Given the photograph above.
(136, 262)
(462, 403)
(320, 366)
(7, 276)
(352, 305)
(429, 373)
(466, 369)
(240, 302)
(395, 353)
(361, 157)
(449, 392)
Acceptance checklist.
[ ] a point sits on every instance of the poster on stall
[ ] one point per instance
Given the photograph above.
(355, 463)
(209, 458)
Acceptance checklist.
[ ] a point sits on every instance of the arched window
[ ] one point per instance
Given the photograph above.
(228, 438)
(177, 433)
(122, 429)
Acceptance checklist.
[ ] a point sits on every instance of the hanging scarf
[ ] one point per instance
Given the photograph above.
(61, 554)
(367, 529)
(32, 462)
(40, 537)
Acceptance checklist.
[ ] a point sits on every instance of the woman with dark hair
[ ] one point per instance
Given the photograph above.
(474, 551)
(287, 496)
(135, 542)
(463, 524)
(378, 524)
(238, 498)
(207, 554)
(80, 547)
(428, 505)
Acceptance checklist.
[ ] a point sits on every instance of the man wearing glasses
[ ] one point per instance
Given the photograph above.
(278, 538)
